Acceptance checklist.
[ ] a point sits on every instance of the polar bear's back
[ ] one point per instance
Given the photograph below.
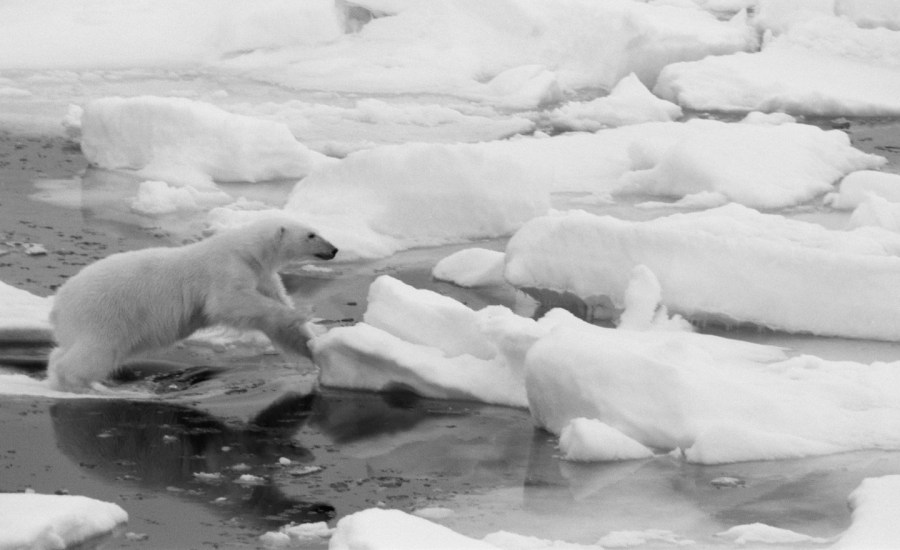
(111, 298)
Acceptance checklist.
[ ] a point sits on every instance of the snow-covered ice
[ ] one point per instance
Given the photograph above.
(471, 267)
(24, 314)
(729, 264)
(422, 341)
(433, 116)
(758, 165)
(50, 522)
(820, 65)
(629, 102)
(590, 440)
(189, 142)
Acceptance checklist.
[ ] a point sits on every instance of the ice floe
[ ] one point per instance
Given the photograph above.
(189, 142)
(730, 264)
(37, 521)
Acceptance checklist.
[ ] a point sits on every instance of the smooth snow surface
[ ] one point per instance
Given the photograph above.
(52, 522)
(730, 264)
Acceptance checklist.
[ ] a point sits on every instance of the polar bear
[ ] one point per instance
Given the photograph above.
(142, 300)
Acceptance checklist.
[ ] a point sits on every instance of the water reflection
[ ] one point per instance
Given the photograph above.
(173, 448)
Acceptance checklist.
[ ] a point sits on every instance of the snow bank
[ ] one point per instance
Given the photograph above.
(875, 505)
(110, 34)
(729, 264)
(420, 340)
(824, 66)
(462, 47)
(34, 521)
(629, 102)
(189, 142)
(378, 201)
(758, 165)
(23, 314)
(472, 267)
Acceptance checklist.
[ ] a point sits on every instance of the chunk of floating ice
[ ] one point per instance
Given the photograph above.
(30, 520)
(730, 264)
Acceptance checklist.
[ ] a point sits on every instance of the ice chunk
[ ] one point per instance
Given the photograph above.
(630, 102)
(472, 267)
(825, 67)
(718, 400)
(24, 316)
(157, 198)
(588, 440)
(730, 264)
(432, 345)
(760, 532)
(875, 503)
(189, 142)
(377, 529)
(643, 309)
(31, 520)
(855, 188)
(762, 166)
(384, 199)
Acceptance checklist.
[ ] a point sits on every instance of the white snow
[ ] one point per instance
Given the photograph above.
(629, 102)
(797, 71)
(431, 344)
(758, 165)
(378, 201)
(461, 47)
(875, 505)
(23, 313)
(297, 535)
(762, 533)
(471, 267)
(158, 198)
(86, 34)
(377, 529)
(856, 187)
(189, 142)
(589, 440)
(50, 522)
(729, 264)
(629, 539)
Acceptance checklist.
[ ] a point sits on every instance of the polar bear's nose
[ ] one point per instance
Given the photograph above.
(328, 255)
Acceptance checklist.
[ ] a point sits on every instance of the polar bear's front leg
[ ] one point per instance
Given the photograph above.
(249, 309)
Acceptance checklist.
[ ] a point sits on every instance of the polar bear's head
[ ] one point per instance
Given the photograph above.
(297, 241)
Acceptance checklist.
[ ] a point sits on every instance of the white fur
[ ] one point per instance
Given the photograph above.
(146, 299)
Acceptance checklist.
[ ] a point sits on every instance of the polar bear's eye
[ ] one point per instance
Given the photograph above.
(311, 236)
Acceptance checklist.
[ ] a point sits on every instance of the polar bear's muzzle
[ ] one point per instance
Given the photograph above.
(327, 255)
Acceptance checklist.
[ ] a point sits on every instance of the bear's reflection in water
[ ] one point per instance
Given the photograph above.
(164, 447)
